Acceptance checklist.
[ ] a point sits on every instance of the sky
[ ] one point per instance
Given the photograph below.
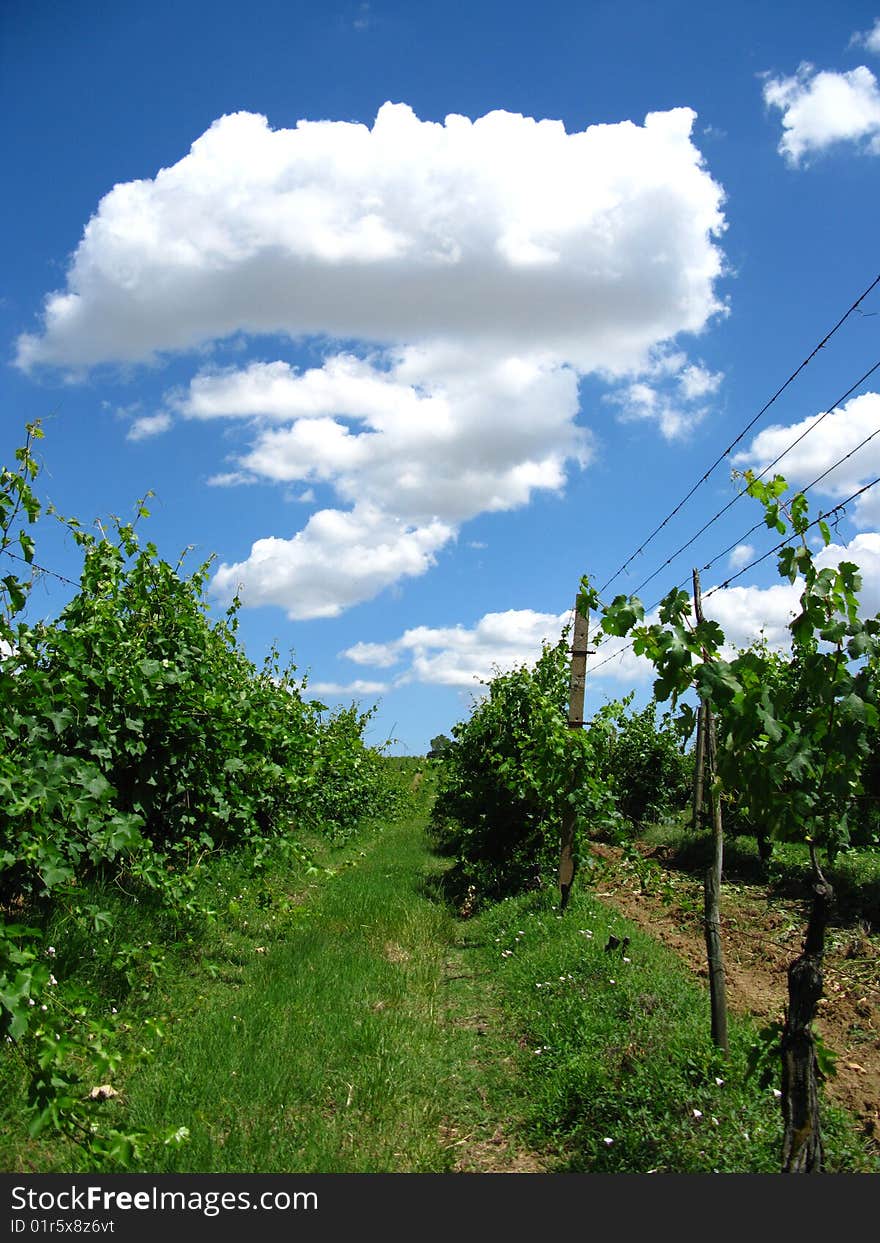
(411, 315)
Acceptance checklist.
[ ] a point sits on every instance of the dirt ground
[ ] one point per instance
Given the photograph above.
(762, 932)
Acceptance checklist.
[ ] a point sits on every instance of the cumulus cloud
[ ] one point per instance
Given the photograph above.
(230, 479)
(338, 559)
(480, 267)
(826, 440)
(670, 391)
(435, 432)
(746, 612)
(864, 550)
(465, 656)
(594, 245)
(821, 108)
(696, 382)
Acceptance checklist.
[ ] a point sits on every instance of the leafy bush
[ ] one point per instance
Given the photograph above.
(137, 737)
(645, 762)
(352, 781)
(513, 770)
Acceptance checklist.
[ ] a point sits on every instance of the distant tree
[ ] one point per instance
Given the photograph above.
(438, 746)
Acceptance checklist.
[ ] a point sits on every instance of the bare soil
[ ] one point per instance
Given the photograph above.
(762, 932)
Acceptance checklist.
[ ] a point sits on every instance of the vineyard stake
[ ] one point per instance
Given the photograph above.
(707, 758)
(699, 767)
(577, 686)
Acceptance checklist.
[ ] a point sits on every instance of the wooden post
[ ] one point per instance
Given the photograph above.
(802, 1148)
(699, 766)
(577, 687)
(712, 884)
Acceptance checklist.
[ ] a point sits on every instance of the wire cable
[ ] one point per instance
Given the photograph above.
(41, 569)
(757, 561)
(745, 430)
(705, 527)
(821, 518)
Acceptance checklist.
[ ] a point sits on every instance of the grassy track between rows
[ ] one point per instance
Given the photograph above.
(382, 1033)
(346, 1020)
(338, 1049)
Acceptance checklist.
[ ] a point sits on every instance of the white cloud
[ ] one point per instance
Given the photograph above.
(615, 661)
(149, 425)
(356, 689)
(435, 433)
(481, 267)
(231, 479)
(869, 38)
(741, 556)
(465, 657)
(336, 561)
(833, 438)
(696, 382)
(345, 385)
(745, 612)
(462, 656)
(864, 550)
(671, 392)
(379, 655)
(594, 245)
(822, 108)
(427, 441)
(363, 19)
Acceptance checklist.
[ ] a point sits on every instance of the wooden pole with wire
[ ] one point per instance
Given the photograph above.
(577, 687)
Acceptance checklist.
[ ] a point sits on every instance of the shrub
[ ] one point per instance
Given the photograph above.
(512, 772)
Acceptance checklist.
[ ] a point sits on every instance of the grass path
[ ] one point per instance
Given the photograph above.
(359, 1037)
(350, 1022)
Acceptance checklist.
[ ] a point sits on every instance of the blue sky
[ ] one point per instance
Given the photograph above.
(413, 315)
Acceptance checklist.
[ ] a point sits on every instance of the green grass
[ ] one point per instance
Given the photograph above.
(854, 874)
(341, 1018)
(321, 1024)
(333, 1053)
(621, 1074)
